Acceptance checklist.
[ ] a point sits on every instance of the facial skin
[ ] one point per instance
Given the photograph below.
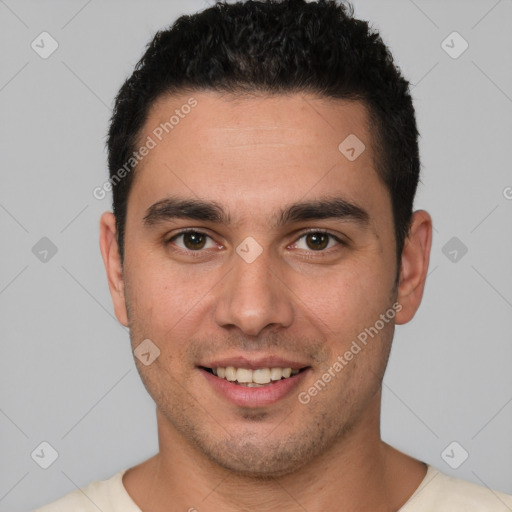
(254, 157)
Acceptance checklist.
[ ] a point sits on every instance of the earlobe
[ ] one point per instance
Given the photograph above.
(414, 266)
(113, 266)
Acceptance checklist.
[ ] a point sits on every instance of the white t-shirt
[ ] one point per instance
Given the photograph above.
(436, 493)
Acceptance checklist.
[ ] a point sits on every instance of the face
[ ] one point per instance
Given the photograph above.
(256, 249)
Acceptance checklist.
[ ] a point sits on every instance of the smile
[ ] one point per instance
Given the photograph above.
(247, 377)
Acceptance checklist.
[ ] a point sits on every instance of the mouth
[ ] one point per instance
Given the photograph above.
(253, 378)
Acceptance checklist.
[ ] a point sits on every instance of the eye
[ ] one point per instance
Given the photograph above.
(193, 241)
(317, 241)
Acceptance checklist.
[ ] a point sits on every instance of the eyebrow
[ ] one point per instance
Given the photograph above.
(195, 209)
(331, 208)
(176, 208)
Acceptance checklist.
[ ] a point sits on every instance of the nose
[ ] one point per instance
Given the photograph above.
(252, 297)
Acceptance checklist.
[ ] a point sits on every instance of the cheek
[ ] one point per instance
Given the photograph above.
(164, 297)
(347, 299)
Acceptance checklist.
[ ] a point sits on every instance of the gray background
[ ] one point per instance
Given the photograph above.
(66, 372)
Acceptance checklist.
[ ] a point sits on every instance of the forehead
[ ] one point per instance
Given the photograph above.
(243, 148)
(277, 119)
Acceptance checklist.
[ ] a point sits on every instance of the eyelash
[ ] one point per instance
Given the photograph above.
(198, 252)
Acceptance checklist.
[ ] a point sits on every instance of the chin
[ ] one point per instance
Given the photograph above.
(263, 459)
(265, 467)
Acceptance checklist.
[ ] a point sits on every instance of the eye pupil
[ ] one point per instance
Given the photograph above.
(194, 241)
(317, 241)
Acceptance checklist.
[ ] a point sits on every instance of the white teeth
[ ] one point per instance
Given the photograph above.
(244, 375)
(276, 373)
(261, 376)
(230, 373)
(253, 378)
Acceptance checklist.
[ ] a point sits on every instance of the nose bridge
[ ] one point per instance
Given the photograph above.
(251, 296)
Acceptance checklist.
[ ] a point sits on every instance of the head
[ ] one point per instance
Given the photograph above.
(282, 138)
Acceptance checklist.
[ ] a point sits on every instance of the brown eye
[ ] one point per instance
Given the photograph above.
(317, 241)
(194, 241)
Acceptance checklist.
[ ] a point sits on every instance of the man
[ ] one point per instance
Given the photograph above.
(263, 160)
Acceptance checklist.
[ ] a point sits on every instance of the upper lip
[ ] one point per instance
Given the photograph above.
(254, 363)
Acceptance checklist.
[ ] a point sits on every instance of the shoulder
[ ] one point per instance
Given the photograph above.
(105, 495)
(444, 493)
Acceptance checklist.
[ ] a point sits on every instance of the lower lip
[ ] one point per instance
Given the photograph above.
(244, 396)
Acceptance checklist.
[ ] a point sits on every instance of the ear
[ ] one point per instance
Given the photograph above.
(414, 266)
(112, 260)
